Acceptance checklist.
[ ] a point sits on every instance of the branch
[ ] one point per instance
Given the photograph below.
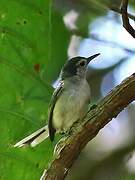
(117, 10)
(125, 19)
(108, 108)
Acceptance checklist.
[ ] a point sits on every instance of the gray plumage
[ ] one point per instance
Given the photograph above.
(69, 102)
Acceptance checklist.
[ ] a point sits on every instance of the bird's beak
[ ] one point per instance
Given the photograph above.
(92, 57)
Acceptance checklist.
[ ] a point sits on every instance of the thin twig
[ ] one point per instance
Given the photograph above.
(108, 108)
(125, 19)
(118, 10)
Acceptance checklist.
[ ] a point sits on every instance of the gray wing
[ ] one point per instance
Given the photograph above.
(53, 101)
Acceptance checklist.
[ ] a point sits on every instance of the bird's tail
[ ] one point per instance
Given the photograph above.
(35, 138)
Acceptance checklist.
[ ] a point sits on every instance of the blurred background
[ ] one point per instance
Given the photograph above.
(36, 39)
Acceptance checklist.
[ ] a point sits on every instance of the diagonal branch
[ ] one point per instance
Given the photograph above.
(109, 107)
(125, 19)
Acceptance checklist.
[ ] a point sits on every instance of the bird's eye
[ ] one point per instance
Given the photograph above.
(82, 63)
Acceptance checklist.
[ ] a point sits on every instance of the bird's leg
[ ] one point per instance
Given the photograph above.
(65, 134)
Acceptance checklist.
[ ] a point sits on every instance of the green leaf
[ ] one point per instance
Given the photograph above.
(32, 50)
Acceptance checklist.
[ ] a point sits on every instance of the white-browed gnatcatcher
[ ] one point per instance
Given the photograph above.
(69, 102)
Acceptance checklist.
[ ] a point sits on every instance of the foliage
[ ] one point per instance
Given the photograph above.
(30, 60)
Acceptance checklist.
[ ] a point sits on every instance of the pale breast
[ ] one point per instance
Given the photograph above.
(71, 105)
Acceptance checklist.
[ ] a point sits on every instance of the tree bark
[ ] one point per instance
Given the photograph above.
(109, 107)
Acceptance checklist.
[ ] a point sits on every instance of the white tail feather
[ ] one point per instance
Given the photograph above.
(35, 138)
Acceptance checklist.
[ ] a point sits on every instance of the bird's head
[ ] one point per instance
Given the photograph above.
(76, 66)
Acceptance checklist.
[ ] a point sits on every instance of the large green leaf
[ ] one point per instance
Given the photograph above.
(32, 51)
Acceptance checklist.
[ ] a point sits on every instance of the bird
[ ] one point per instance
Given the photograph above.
(69, 102)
